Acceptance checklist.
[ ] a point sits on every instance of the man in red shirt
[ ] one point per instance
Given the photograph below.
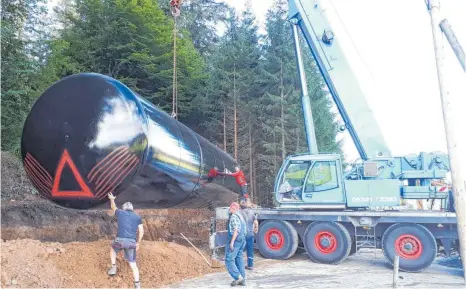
(212, 174)
(241, 181)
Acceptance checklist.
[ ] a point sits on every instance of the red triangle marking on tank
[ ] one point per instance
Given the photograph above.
(85, 191)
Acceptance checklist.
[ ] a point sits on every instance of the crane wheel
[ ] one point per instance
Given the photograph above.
(327, 242)
(277, 239)
(414, 243)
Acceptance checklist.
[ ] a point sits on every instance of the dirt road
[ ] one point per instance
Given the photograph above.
(362, 271)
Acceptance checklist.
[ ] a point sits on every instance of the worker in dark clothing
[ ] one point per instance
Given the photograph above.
(252, 227)
(241, 181)
(128, 225)
(234, 260)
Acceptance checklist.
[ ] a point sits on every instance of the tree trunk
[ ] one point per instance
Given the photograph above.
(254, 177)
(250, 159)
(282, 116)
(234, 110)
(224, 127)
(274, 152)
(297, 140)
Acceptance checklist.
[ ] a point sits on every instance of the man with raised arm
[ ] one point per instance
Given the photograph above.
(129, 223)
(240, 180)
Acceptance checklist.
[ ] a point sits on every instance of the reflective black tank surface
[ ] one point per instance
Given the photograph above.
(89, 134)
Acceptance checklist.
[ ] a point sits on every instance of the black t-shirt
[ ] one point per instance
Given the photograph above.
(128, 223)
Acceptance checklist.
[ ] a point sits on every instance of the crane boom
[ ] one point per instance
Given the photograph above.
(333, 52)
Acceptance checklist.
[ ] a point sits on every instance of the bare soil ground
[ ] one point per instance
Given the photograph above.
(15, 183)
(360, 271)
(31, 263)
(45, 245)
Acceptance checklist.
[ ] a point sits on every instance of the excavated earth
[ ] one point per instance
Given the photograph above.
(26, 215)
(33, 264)
(45, 245)
(44, 221)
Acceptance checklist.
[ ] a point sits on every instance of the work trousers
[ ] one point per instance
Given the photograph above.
(250, 250)
(244, 190)
(234, 260)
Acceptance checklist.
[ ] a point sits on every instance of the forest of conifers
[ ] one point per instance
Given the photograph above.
(239, 90)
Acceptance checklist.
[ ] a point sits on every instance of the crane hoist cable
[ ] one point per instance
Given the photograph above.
(175, 10)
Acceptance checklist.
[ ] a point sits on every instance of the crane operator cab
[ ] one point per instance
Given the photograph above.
(310, 179)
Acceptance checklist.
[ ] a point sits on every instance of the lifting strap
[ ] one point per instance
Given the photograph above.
(175, 4)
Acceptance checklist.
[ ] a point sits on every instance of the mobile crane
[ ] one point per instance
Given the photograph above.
(334, 213)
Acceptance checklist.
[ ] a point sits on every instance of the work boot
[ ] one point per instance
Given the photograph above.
(240, 281)
(249, 268)
(112, 270)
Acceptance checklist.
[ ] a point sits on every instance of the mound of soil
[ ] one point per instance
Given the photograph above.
(15, 184)
(30, 263)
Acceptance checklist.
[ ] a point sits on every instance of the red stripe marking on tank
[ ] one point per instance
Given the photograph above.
(119, 179)
(108, 163)
(115, 171)
(41, 188)
(92, 172)
(33, 174)
(85, 191)
(110, 170)
(37, 172)
(39, 167)
(36, 162)
(123, 174)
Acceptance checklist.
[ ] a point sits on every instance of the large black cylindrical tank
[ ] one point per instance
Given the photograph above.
(89, 134)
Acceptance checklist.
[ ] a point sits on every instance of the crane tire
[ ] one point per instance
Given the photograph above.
(277, 239)
(327, 242)
(414, 243)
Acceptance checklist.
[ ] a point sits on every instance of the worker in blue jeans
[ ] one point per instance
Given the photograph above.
(234, 260)
(252, 227)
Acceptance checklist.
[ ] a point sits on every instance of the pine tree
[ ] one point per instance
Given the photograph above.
(217, 104)
(20, 65)
(133, 42)
(281, 121)
(200, 18)
(247, 89)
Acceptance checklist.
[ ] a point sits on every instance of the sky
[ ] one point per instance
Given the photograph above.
(394, 39)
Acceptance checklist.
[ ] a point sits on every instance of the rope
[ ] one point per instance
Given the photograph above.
(175, 100)
(175, 13)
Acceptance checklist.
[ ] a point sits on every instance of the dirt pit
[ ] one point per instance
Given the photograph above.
(42, 220)
(48, 246)
(45, 245)
(31, 263)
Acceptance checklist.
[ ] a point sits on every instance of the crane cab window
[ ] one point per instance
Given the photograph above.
(322, 177)
(292, 182)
